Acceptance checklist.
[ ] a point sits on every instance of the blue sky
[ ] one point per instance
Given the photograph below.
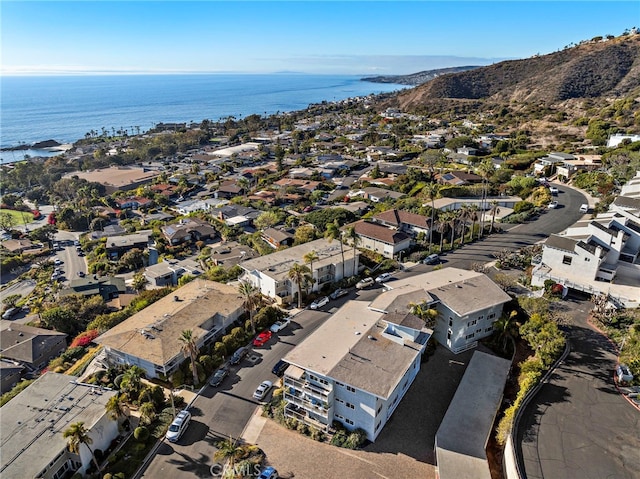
(330, 37)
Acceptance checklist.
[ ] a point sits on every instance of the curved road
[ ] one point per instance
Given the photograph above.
(579, 425)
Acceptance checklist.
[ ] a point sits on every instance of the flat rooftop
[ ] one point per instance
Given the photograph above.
(350, 347)
(463, 291)
(462, 437)
(116, 176)
(34, 420)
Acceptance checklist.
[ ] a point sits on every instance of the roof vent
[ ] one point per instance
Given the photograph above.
(357, 333)
(371, 338)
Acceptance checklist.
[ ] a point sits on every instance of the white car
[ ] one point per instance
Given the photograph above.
(553, 190)
(364, 283)
(320, 302)
(178, 426)
(383, 278)
(553, 204)
(280, 325)
(262, 390)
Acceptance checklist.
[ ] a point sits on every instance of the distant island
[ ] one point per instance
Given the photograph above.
(417, 78)
(35, 146)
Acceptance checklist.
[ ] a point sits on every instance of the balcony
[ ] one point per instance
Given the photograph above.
(291, 410)
(312, 389)
(307, 404)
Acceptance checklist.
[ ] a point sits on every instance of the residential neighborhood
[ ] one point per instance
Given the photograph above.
(354, 248)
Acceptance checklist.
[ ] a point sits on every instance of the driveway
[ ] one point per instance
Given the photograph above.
(579, 425)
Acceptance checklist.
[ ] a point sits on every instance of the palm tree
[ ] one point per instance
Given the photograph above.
(494, 211)
(464, 214)
(309, 258)
(252, 299)
(297, 274)
(486, 170)
(131, 381)
(452, 218)
(424, 312)
(333, 232)
(473, 215)
(432, 190)
(189, 348)
(441, 226)
(351, 235)
(116, 407)
(78, 435)
(230, 450)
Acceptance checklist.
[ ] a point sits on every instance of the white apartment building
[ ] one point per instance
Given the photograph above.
(358, 365)
(33, 423)
(598, 256)
(270, 273)
(468, 303)
(354, 369)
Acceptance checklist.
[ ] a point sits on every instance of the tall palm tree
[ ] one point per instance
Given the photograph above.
(132, 381)
(309, 258)
(473, 216)
(432, 190)
(351, 235)
(333, 232)
(252, 299)
(441, 226)
(297, 274)
(77, 435)
(486, 170)
(464, 214)
(189, 348)
(494, 211)
(452, 219)
(230, 450)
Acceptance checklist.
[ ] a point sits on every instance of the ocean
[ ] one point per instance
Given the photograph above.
(65, 108)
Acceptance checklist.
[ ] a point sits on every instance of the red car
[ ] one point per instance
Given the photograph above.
(262, 338)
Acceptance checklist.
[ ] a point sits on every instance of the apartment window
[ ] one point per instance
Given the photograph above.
(587, 259)
(378, 425)
(566, 259)
(479, 330)
(340, 417)
(339, 400)
(450, 322)
(492, 315)
(449, 333)
(471, 323)
(470, 336)
(379, 409)
(349, 422)
(350, 406)
(481, 317)
(339, 384)
(490, 328)
(350, 389)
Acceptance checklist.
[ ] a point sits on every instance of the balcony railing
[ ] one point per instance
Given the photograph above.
(309, 388)
(290, 411)
(300, 401)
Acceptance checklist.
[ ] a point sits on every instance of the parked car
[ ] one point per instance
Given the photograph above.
(383, 278)
(179, 426)
(431, 259)
(239, 355)
(9, 313)
(268, 473)
(76, 243)
(623, 373)
(57, 262)
(339, 293)
(553, 205)
(262, 390)
(584, 208)
(81, 274)
(320, 302)
(262, 338)
(280, 368)
(219, 376)
(280, 325)
(365, 283)
(553, 190)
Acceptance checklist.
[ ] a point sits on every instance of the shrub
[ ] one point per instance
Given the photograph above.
(355, 439)
(141, 434)
(84, 339)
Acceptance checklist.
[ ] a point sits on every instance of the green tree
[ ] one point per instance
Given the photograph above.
(333, 232)
(147, 412)
(267, 220)
(432, 190)
(494, 210)
(252, 298)
(77, 435)
(131, 382)
(486, 169)
(351, 235)
(62, 320)
(304, 234)
(190, 349)
(309, 258)
(116, 407)
(228, 450)
(139, 282)
(298, 274)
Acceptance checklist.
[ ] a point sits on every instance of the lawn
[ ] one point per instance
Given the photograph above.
(19, 217)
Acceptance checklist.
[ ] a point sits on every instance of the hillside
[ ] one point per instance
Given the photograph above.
(417, 78)
(592, 70)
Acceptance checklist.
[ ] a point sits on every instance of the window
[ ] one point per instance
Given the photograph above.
(481, 317)
(449, 333)
(479, 330)
(378, 425)
(350, 406)
(339, 384)
(566, 259)
(587, 259)
(350, 389)
(379, 409)
(491, 316)
(349, 422)
(469, 336)
(471, 323)
(490, 328)
(450, 322)
(340, 417)
(339, 400)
